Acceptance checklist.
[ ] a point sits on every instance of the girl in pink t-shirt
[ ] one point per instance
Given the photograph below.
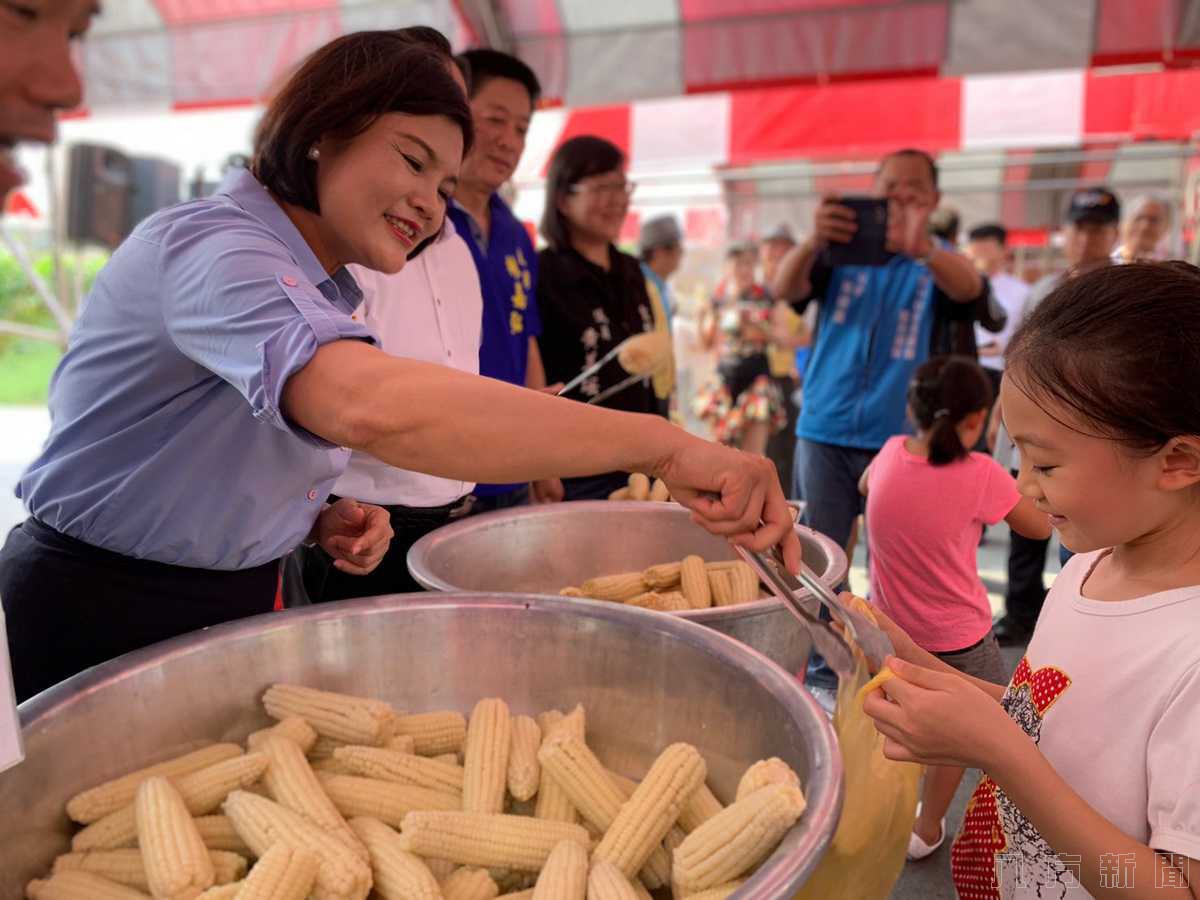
(928, 499)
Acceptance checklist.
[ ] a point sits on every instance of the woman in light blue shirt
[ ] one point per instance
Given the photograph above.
(216, 382)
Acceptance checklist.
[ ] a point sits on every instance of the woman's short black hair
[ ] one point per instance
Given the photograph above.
(1119, 348)
(577, 159)
(340, 90)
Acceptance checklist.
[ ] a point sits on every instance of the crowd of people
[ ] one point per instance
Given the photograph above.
(313, 341)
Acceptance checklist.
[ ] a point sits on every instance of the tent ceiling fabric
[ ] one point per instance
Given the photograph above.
(186, 53)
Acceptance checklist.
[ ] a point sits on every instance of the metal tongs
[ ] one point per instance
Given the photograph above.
(806, 605)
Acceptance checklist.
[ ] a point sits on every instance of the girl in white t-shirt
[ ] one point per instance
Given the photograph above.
(1091, 755)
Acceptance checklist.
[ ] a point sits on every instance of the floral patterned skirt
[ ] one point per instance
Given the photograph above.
(729, 416)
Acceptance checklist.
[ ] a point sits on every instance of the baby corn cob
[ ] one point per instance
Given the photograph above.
(744, 583)
(323, 748)
(485, 757)
(202, 793)
(740, 837)
(293, 728)
(387, 801)
(341, 875)
(614, 587)
(487, 839)
(177, 863)
(75, 885)
(565, 875)
(127, 866)
(524, 770)
(434, 733)
(405, 768)
(222, 891)
(469, 884)
(598, 797)
(607, 882)
(572, 591)
(552, 804)
(648, 815)
(662, 577)
(96, 803)
(285, 872)
(399, 875)
(694, 579)
(639, 487)
(672, 601)
(451, 758)
(718, 893)
(764, 772)
(401, 743)
(659, 492)
(621, 493)
(441, 868)
(721, 585)
(218, 833)
(355, 720)
(291, 782)
(527, 894)
(700, 807)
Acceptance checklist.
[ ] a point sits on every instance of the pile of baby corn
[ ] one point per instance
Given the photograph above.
(677, 586)
(344, 796)
(641, 488)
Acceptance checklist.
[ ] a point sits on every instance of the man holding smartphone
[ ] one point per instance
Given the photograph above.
(876, 324)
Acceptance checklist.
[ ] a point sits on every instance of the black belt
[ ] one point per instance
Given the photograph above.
(425, 514)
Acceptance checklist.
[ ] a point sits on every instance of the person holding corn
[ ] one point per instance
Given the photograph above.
(216, 383)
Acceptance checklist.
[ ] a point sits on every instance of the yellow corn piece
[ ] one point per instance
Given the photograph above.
(222, 891)
(614, 587)
(469, 884)
(487, 839)
(76, 885)
(341, 875)
(881, 678)
(733, 842)
(552, 803)
(524, 770)
(639, 487)
(96, 803)
(177, 863)
(323, 748)
(565, 875)
(720, 583)
(662, 577)
(694, 579)
(128, 866)
(292, 783)
(399, 875)
(355, 720)
(434, 733)
(699, 808)
(202, 793)
(671, 601)
(448, 758)
(218, 833)
(620, 494)
(572, 592)
(293, 728)
(718, 893)
(329, 766)
(764, 772)
(285, 872)
(648, 815)
(402, 743)
(862, 606)
(404, 768)
(520, 895)
(607, 882)
(659, 492)
(743, 582)
(441, 868)
(485, 756)
(387, 801)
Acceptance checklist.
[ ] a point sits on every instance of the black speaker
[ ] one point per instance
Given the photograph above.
(155, 186)
(99, 186)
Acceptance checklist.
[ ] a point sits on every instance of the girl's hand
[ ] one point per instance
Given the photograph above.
(939, 718)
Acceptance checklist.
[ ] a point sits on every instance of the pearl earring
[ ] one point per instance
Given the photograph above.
(314, 153)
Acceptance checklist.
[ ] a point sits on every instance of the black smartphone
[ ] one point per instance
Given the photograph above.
(868, 247)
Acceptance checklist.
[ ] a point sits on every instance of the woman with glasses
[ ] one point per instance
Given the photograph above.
(591, 295)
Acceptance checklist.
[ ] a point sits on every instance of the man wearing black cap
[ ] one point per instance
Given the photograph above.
(1089, 236)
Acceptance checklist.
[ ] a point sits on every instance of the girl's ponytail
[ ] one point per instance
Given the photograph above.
(943, 392)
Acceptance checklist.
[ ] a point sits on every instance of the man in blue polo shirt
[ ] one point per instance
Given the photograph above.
(876, 325)
(504, 92)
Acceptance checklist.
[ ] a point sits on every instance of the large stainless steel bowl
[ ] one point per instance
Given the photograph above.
(646, 680)
(541, 549)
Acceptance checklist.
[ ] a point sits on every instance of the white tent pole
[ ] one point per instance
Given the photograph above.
(61, 316)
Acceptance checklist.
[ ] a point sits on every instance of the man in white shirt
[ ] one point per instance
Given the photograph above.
(432, 311)
(987, 246)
